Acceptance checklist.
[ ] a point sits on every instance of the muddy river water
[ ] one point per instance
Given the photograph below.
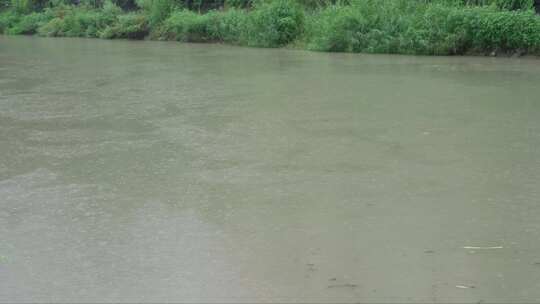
(168, 172)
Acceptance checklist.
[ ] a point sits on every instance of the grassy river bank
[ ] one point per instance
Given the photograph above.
(420, 27)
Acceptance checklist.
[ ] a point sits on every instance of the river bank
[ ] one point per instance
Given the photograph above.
(388, 26)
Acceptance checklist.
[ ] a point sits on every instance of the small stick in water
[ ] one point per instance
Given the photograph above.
(343, 285)
(477, 247)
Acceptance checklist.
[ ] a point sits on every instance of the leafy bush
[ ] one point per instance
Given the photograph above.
(215, 26)
(7, 20)
(506, 31)
(434, 29)
(275, 23)
(187, 26)
(129, 26)
(159, 10)
(54, 28)
(229, 26)
(29, 24)
(73, 21)
(457, 31)
(367, 26)
(336, 29)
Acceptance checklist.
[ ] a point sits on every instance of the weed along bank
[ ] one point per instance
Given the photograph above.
(437, 27)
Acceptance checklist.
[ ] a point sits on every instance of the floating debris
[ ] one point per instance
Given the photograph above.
(480, 248)
(343, 286)
(464, 286)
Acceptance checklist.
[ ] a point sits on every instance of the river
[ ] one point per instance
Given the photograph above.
(159, 171)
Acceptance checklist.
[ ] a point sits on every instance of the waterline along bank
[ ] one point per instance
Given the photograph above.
(420, 27)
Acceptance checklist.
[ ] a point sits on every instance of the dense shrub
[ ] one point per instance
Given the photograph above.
(72, 21)
(438, 30)
(229, 26)
(157, 10)
(129, 26)
(506, 31)
(458, 31)
(336, 29)
(367, 26)
(7, 20)
(29, 24)
(275, 23)
(187, 26)
(214, 26)
(433, 29)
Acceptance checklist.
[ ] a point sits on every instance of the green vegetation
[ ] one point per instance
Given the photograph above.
(128, 26)
(275, 23)
(427, 27)
(389, 26)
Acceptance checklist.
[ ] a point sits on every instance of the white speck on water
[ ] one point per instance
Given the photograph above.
(482, 248)
(464, 287)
